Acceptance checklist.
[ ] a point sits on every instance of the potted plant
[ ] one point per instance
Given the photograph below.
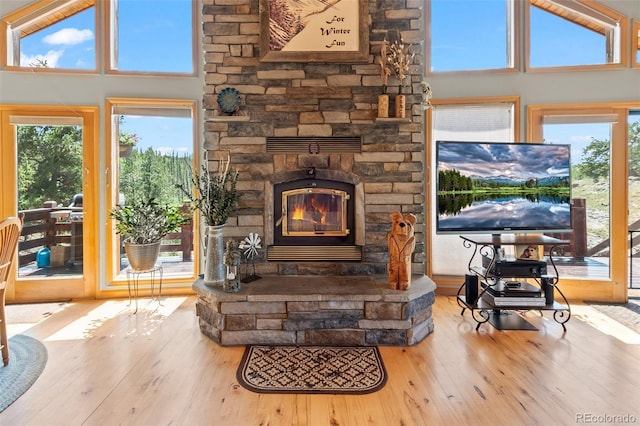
(216, 197)
(142, 225)
(126, 140)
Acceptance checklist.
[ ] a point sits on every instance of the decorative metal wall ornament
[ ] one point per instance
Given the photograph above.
(250, 245)
(229, 100)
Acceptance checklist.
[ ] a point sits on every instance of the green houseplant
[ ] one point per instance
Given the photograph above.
(142, 225)
(216, 197)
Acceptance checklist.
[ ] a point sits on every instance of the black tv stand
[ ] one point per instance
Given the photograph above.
(496, 300)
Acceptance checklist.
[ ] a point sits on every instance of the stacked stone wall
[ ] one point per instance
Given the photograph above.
(316, 99)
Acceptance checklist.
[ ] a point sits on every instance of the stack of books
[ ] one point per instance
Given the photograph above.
(512, 293)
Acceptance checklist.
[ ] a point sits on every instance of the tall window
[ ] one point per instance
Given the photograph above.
(601, 138)
(489, 121)
(152, 146)
(471, 35)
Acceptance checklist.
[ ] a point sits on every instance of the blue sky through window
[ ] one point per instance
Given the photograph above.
(468, 35)
(153, 36)
(68, 44)
(556, 42)
(162, 134)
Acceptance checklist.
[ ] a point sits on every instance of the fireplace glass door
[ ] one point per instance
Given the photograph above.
(314, 212)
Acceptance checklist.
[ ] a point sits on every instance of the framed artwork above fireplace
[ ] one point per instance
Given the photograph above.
(326, 31)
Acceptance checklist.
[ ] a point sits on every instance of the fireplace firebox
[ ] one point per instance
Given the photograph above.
(314, 220)
(313, 212)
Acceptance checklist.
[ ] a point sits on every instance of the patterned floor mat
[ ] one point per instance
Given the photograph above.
(312, 369)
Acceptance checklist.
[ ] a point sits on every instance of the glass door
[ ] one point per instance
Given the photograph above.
(594, 263)
(48, 156)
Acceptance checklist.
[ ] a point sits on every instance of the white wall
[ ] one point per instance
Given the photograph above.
(535, 88)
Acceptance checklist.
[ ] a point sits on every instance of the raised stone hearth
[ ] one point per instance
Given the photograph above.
(315, 310)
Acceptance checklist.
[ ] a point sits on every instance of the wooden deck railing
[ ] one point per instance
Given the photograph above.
(41, 230)
(578, 236)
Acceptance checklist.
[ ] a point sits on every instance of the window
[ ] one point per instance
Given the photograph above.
(140, 36)
(574, 33)
(601, 137)
(489, 120)
(152, 36)
(152, 147)
(52, 34)
(472, 35)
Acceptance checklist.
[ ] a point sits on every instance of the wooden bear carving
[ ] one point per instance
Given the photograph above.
(401, 245)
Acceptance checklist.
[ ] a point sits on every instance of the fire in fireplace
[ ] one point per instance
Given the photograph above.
(314, 212)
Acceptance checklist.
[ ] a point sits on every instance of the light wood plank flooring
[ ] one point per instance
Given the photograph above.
(109, 367)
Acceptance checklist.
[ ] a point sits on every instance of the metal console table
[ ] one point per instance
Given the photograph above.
(501, 316)
(133, 277)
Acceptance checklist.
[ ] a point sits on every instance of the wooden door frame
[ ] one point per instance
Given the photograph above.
(613, 289)
(33, 290)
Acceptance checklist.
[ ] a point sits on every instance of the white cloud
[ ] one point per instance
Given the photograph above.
(69, 36)
(51, 58)
(580, 138)
(168, 150)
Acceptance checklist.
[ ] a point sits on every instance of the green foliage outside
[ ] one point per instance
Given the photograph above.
(50, 168)
(49, 165)
(149, 174)
(596, 160)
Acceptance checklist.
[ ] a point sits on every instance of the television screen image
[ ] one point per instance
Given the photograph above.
(487, 187)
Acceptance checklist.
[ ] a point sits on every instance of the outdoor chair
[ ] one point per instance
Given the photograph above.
(10, 229)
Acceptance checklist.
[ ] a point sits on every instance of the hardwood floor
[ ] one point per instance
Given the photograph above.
(109, 367)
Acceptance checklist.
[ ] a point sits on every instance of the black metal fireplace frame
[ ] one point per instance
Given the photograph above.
(326, 240)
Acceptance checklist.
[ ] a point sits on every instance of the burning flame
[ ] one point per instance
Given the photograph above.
(317, 213)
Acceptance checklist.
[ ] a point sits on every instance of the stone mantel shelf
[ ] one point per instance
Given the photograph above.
(393, 120)
(229, 118)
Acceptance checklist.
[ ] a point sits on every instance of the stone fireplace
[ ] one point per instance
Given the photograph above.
(308, 133)
(298, 118)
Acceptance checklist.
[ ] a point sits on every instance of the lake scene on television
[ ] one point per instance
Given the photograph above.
(498, 187)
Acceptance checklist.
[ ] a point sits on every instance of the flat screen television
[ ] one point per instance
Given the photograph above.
(496, 188)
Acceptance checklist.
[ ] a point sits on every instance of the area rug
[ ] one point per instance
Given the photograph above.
(27, 358)
(627, 314)
(312, 369)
